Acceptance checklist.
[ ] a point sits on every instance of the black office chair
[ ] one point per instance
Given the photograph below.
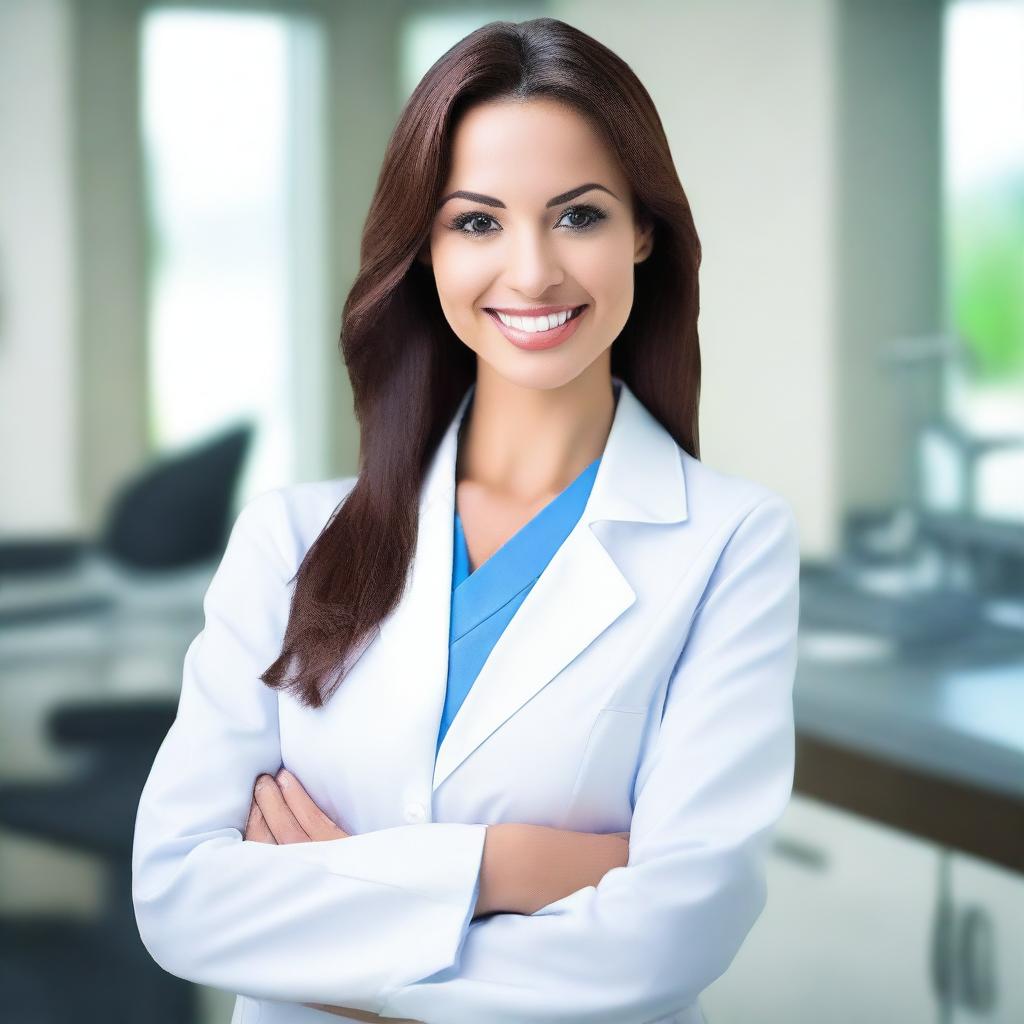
(175, 512)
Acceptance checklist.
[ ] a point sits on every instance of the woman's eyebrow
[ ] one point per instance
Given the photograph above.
(476, 197)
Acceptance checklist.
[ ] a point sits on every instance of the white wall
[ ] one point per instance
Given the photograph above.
(38, 368)
(745, 90)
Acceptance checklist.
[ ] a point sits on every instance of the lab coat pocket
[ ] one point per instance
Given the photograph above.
(601, 799)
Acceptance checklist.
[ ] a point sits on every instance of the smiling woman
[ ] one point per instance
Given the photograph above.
(508, 238)
(528, 175)
(534, 624)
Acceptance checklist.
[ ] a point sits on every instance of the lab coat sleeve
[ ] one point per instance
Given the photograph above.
(650, 936)
(336, 922)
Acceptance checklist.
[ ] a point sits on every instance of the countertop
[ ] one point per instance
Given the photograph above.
(926, 735)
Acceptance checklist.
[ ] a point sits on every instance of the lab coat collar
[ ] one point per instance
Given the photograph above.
(580, 593)
(640, 477)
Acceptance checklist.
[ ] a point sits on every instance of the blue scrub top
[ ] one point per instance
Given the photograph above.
(484, 601)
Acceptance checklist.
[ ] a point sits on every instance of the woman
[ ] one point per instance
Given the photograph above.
(527, 723)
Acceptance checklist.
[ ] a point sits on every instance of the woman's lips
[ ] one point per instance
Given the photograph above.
(533, 341)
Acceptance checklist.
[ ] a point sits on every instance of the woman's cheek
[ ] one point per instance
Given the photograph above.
(459, 286)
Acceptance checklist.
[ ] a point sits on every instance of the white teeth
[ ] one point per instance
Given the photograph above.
(535, 324)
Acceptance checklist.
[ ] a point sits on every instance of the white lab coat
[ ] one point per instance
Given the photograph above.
(645, 684)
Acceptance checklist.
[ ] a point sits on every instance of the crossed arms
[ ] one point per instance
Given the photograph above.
(523, 868)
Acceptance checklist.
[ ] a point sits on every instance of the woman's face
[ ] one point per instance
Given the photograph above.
(528, 237)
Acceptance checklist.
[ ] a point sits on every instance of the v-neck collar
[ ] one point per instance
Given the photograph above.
(641, 480)
(569, 493)
(519, 561)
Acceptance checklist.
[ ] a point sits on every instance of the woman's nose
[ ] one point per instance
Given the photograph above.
(533, 266)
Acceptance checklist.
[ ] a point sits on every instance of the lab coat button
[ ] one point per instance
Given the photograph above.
(415, 813)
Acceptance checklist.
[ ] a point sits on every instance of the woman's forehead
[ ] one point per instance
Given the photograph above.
(528, 153)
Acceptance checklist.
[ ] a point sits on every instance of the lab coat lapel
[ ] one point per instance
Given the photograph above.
(413, 639)
(581, 592)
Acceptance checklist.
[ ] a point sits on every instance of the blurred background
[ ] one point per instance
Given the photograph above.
(184, 187)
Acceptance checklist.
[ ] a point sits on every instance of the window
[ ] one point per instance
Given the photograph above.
(984, 217)
(233, 159)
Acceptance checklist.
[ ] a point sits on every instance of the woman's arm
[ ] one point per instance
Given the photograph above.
(526, 867)
(523, 867)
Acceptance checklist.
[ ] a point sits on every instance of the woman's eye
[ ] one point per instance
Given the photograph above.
(469, 223)
(470, 218)
(591, 212)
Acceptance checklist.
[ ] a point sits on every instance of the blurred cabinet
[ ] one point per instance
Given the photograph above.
(986, 947)
(846, 935)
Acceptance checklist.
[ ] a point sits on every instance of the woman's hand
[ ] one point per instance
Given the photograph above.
(526, 867)
(553, 863)
(283, 812)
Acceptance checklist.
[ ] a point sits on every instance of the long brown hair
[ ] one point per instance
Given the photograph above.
(407, 367)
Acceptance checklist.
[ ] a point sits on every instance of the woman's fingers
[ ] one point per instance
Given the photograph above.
(256, 828)
(346, 1011)
(278, 815)
(310, 817)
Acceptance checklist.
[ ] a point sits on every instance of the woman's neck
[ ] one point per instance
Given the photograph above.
(528, 443)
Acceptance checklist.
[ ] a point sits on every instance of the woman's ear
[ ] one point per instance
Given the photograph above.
(644, 241)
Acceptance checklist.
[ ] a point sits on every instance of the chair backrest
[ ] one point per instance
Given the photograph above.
(178, 510)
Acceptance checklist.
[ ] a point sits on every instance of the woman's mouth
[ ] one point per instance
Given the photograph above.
(539, 339)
